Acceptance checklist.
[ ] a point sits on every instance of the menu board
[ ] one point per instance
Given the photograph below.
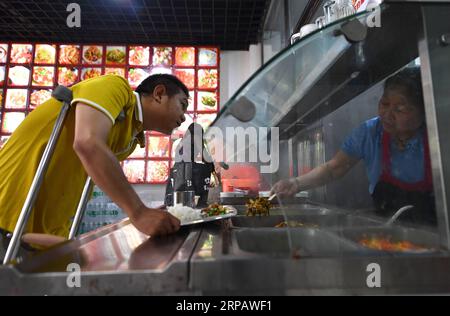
(30, 71)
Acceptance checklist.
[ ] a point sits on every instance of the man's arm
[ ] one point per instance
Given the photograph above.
(92, 129)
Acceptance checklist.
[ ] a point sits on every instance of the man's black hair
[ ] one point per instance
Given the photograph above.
(173, 85)
(407, 81)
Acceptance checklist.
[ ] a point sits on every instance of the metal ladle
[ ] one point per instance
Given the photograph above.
(397, 214)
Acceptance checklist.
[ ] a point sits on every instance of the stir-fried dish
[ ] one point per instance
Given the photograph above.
(259, 206)
(214, 210)
(386, 244)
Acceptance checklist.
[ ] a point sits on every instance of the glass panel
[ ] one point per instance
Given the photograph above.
(328, 94)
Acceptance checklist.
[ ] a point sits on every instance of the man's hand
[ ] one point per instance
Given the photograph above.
(155, 222)
(285, 188)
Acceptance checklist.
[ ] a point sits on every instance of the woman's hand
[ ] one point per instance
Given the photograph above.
(154, 222)
(287, 187)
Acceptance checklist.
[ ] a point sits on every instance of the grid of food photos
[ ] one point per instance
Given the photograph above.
(29, 72)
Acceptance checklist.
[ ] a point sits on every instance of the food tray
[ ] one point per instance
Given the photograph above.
(231, 211)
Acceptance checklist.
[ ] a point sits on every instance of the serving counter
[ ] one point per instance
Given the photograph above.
(238, 256)
(322, 250)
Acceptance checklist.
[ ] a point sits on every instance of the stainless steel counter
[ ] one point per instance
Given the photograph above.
(238, 256)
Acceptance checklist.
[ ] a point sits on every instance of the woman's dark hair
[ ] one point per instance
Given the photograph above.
(173, 85)
(408, 81)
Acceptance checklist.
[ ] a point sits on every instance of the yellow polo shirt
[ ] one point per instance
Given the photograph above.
(65, 178)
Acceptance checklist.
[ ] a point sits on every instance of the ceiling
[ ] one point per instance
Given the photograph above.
(230, 24)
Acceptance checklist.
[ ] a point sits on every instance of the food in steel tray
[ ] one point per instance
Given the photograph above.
(69, 54)
(115, 56)
(259, 206)
(386, 244)
(214, 210)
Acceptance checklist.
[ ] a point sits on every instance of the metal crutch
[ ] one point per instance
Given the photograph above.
(63, 94)
(80, 209)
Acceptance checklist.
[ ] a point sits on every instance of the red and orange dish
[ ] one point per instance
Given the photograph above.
(386, 244)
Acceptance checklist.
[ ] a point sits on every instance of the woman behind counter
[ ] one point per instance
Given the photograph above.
(394, 148)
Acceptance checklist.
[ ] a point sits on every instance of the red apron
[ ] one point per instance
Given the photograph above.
(390, 193)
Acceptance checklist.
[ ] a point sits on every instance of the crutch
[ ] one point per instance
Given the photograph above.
(64, 95)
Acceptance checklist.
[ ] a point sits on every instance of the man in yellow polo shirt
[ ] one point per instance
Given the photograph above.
(104, 125)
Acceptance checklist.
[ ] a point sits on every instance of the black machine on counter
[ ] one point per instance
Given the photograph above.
(189, 179)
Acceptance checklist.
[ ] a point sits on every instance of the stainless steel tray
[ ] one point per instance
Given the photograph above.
(428, 240)
(308, 221)
(231, 211)
(306, 241)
